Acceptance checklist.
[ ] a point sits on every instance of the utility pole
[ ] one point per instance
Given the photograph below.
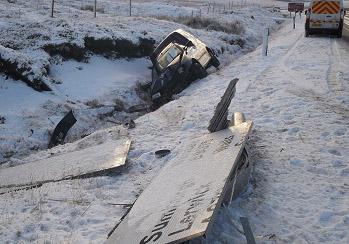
(52, 7)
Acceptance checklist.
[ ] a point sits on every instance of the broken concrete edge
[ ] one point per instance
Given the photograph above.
(19, 188)
(247, 230)
(102, 172)
(121, 219)
(105, 172)
(227, 186)
(219, 120)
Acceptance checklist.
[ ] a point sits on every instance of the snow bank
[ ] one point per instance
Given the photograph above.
(20, 66)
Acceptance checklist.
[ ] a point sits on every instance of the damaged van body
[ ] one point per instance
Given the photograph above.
(178, 60)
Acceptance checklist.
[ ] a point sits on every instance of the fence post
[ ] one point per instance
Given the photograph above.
(52, 7)
(265, 42)
(95, 9)
(130, 7)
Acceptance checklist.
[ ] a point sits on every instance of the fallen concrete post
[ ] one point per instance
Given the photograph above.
(62, 129)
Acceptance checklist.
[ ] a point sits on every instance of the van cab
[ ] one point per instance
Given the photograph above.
(325, 16)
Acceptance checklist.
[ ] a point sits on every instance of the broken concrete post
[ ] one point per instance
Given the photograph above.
(237, 118)
(219, 120)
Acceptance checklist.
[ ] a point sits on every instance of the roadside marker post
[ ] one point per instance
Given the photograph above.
(265, 42)
(130, 8)
(52, 7)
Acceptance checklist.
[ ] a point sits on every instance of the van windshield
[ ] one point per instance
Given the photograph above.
(326, 7)
(167, 57)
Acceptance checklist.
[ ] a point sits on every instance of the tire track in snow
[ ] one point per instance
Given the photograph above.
(337, 78)
(297, 146)
(334, 76)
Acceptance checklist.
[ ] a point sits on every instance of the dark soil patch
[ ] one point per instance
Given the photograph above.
(17, 72)
(66, 50)
(120, 47)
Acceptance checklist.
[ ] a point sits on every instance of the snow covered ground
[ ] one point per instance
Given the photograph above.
(107, 83)
(298, 99)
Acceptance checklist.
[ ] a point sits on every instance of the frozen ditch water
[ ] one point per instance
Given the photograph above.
(99, 92)
(101, 78)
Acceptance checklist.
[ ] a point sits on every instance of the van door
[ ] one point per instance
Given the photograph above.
(325, 14)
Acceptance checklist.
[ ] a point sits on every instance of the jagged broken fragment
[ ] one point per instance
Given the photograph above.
(108, 155)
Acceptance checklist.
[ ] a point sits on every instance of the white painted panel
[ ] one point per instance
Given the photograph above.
(181, 200)
(107, 155)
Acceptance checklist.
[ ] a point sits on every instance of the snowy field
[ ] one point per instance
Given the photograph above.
(297, 98)
(108, 81)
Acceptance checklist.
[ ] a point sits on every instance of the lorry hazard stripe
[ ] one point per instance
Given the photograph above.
(321, 7)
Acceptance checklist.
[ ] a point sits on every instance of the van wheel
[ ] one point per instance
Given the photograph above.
(340, 29)
(197, 71)
(214, 60)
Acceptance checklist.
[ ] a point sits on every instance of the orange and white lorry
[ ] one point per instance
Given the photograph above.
(325, 16)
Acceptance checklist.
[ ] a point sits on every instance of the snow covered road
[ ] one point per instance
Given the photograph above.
(298, 98)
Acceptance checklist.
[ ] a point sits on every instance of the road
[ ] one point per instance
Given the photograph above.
(298, 98)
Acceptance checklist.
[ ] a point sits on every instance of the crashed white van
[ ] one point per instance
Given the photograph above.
(325, 16)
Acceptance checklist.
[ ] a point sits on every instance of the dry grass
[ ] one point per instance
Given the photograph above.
(91, 8)
(94, 103)
(197, 22)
